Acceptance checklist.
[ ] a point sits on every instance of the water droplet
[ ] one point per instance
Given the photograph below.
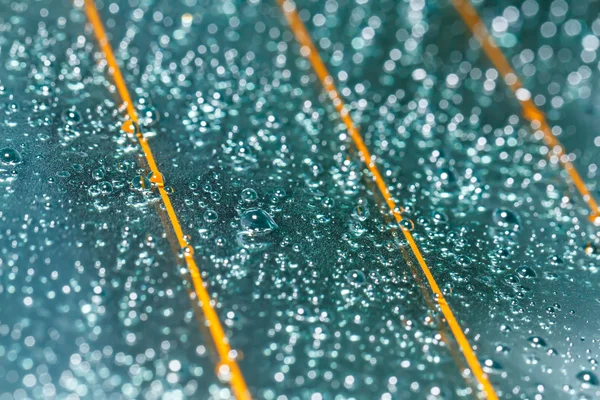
(313, 169)
(526, 272)
(106, 187)
(157, 179)
(356, 228)
(251, 242)
(555, 260)
(361, 211)
(591, 249)
(464, 261)
(356, 278)
(588, 378)
(491, 366)
(71, 117)
(439, 217)
(10, 156)
(140, 183)
(446, 182)
(502, 348)
(149, 116)
(188, 251)
(77, 167)
(511, 279)
(506, 219)
(249, 195)
(552, 352)
(13, 107)
(211, 216)
(257, 221)
(407, 224)
(328, 202)
(43, 88)
(98, 173)
(537, 341)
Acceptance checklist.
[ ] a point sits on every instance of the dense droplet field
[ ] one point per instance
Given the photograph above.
(314, 279)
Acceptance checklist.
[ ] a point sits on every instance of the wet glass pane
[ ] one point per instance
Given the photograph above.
(225, 234)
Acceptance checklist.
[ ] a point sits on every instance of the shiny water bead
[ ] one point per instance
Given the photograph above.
(257, 221)
(9, 156)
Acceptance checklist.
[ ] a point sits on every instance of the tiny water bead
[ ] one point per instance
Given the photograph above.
(502, 348)
(537, 341)
(439, 217)
(188, 251)
(526, 272)
(506, 219)
(356, 228)
(361, 211)
(77, 168)
(106, 187)
(278, 194)
(215, 196)
(328, 202)
(356, 277)
(149, 116)
(492, 366)
(130, 128)
(211, 216)
(591, 249)
(249, 195)
(10, 156)
(407, 224)
(157, 179)
(257, 221)
(71, 117)
(98, 173)
(43, 88)
(588, 378)
(511, 279)
(140, 183)
(463, 260)
(446, 182)
(555, 260)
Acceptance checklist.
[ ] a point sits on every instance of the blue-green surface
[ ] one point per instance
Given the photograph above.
(316, 288)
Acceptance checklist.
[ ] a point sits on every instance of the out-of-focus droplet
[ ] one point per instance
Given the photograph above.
(506, 219)
(537, 341)
(71, 117)
(10, 156)
(588, 378)
(356, 277)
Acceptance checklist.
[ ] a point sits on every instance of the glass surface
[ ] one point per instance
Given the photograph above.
(317, 289)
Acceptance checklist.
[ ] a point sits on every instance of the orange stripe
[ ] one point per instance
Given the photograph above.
(237, 382)
(530, 110)
(311, 52)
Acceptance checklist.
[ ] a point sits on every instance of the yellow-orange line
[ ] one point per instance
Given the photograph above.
(310, 51)
(237, 382)
(530, 110)
(442, 329)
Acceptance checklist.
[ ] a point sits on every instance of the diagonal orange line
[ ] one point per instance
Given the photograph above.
(310, 51)
(530, 110)
(237, 382)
